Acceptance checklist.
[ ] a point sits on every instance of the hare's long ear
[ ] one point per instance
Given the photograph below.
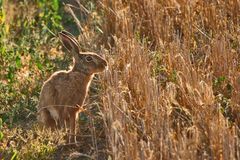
(71, 36)
(69, 42)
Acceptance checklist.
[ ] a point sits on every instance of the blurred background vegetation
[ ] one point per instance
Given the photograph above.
(28, 52)
(171, 91)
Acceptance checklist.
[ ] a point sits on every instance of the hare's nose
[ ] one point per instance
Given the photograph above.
(105, 63)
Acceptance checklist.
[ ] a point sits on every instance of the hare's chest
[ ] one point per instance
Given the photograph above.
(76, 95)
(72, 89)
(81, 92)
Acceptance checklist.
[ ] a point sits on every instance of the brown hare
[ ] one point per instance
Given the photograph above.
(63, 94)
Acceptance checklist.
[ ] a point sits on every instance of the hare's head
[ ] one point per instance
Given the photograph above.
(86, 62)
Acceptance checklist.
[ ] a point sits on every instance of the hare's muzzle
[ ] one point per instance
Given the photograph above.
(105, 64)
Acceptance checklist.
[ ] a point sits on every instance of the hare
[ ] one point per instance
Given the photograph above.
(63, 94)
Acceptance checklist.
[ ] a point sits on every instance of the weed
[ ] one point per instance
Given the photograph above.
(171, 90)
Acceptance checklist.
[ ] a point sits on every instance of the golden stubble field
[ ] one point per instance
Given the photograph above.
(172, 87)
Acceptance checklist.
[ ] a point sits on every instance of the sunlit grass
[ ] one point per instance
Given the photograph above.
(171, 90)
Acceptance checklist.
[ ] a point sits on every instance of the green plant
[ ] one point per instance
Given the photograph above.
(26, 55)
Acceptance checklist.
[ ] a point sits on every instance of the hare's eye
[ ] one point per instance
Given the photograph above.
(88, 59)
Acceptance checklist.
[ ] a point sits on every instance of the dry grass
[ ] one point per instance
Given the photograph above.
(172, 87)
(169, 64)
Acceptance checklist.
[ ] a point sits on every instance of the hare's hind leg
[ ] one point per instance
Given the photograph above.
(72, 121)
(46, 119)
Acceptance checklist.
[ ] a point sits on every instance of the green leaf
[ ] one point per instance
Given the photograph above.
(18, 62)
(10, 74)
(55, 5)
(1, 136)
(221, 78)
(39, 65)
(14, 155)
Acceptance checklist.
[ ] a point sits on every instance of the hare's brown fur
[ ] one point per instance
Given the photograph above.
(65, 91)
